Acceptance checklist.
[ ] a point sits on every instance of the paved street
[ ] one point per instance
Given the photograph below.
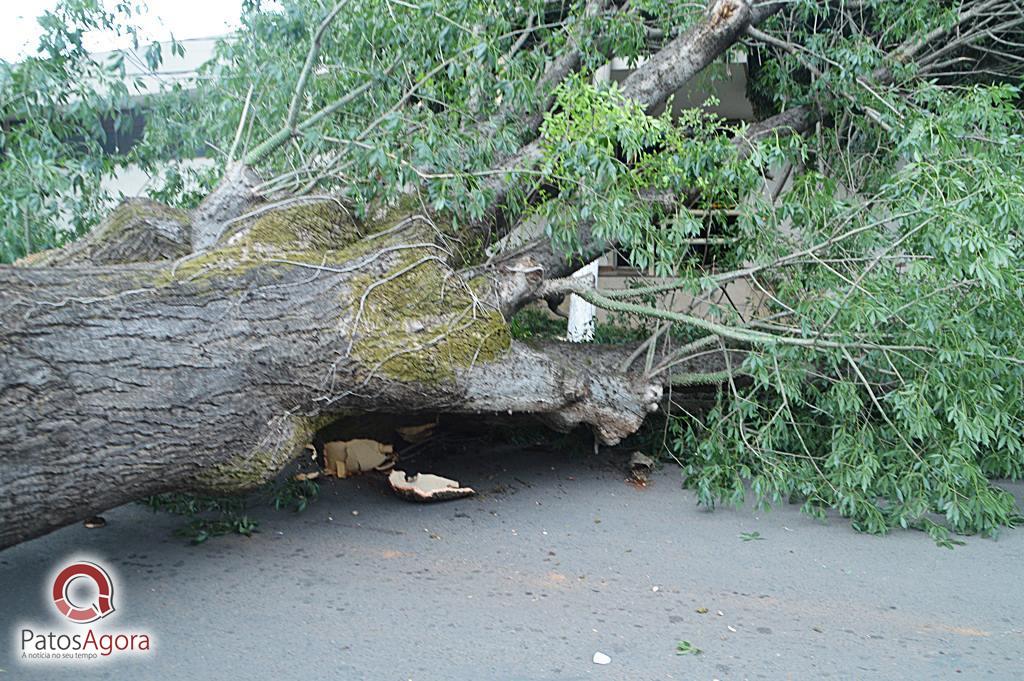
(557, 558)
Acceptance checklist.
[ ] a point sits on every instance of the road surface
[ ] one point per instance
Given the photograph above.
(556, 559)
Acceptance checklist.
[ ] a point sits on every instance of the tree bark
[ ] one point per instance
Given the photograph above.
(212, 372)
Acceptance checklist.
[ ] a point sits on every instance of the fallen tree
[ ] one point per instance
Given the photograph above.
(212, 372)
(202, 348)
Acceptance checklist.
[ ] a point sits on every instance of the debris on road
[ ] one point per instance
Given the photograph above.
(601, 658)
(640, 466)
(352, 457)
(687, 648)
(426, 487)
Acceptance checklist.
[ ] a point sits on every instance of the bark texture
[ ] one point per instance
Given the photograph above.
(213, 371)
(138, 230)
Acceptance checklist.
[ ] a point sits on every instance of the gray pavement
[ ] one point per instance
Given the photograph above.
(556, 559)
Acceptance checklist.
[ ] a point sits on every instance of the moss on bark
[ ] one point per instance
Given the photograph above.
(288, 436)
(311, 233)
(311, 226)
(420, 321)
(133, 213)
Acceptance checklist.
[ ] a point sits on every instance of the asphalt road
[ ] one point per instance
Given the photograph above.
(556, 559)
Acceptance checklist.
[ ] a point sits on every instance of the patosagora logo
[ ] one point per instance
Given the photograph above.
(79, 614)
(82, 592)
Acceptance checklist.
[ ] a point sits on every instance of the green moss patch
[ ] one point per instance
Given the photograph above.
(312, 234)
(250, 470)
(421, 325)
(312, 226)
(132, 213)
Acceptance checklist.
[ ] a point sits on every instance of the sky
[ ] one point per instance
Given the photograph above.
(19, 31)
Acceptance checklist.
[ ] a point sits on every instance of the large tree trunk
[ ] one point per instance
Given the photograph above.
(169, 351)
(213, 371)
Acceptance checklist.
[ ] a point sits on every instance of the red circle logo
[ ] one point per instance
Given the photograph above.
(83, 614)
